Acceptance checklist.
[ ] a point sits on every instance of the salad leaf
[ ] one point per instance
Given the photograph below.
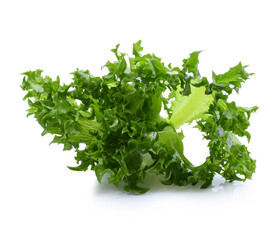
(117, 116)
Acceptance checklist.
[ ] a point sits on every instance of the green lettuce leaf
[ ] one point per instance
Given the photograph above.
(117, 116)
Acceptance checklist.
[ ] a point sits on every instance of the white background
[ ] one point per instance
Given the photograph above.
(42, 199)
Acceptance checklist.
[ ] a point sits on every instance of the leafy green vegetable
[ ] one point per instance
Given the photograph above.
(118, 117)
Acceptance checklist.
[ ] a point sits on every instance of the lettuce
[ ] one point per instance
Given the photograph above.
(117, 116)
